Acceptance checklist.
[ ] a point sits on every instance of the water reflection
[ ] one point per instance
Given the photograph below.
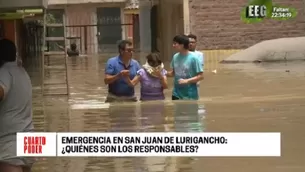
(80, 62)
(188, 116)
(123, 118)
(152, 117)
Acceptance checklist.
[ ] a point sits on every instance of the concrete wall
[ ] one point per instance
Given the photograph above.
(12, 4)
(218, 26)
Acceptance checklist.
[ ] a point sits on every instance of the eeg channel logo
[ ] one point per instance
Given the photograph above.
(36, 144)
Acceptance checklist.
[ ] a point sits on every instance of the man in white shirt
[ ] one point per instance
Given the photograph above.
(192, 48)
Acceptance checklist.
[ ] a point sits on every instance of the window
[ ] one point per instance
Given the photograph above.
(55, 16)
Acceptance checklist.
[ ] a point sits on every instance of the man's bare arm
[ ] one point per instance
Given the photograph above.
(133, 82)
(111, 78)
(196, 78)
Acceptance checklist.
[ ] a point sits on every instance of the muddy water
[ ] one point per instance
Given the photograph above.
(264, 97)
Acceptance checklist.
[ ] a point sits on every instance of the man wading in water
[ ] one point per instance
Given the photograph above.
(199, 54)
(72, 51)
(117, 69)
(192, 48)
(186, 69)
(15, 109)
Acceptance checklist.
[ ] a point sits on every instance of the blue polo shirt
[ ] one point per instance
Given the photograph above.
(120, 87)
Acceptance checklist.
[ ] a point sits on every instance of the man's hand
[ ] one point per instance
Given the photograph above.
(124, 73)
(183, 81)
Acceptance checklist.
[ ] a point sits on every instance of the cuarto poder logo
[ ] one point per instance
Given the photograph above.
(259, 10)
(36, 144)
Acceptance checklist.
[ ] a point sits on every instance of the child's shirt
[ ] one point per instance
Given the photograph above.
(185, 67)
(151, 87)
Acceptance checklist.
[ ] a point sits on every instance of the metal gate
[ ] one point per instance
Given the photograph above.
(90, 41)
(1, 29)
(109, 28)
(32, 41)
(99, 35)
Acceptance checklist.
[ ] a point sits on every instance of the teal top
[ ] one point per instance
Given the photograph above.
(185, 67)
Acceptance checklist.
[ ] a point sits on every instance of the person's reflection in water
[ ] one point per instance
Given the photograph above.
(123, 119)
(188, 117)
(152, 119)
(74, 63)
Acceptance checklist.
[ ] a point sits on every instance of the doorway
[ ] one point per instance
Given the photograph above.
(170, 23)
(109, 28)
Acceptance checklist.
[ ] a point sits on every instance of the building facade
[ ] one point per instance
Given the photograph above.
(94, 27)
(216, 23)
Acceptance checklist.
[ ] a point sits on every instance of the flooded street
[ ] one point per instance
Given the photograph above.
(237, 98)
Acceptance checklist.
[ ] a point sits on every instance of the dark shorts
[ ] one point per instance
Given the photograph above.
(175, 98)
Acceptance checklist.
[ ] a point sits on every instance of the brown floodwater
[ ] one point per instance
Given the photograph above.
(236, 98)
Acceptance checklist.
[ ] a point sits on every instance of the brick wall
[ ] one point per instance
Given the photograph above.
(218, 25)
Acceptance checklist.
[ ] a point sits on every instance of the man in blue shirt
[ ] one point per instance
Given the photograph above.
(187, 70)
(117, 69)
